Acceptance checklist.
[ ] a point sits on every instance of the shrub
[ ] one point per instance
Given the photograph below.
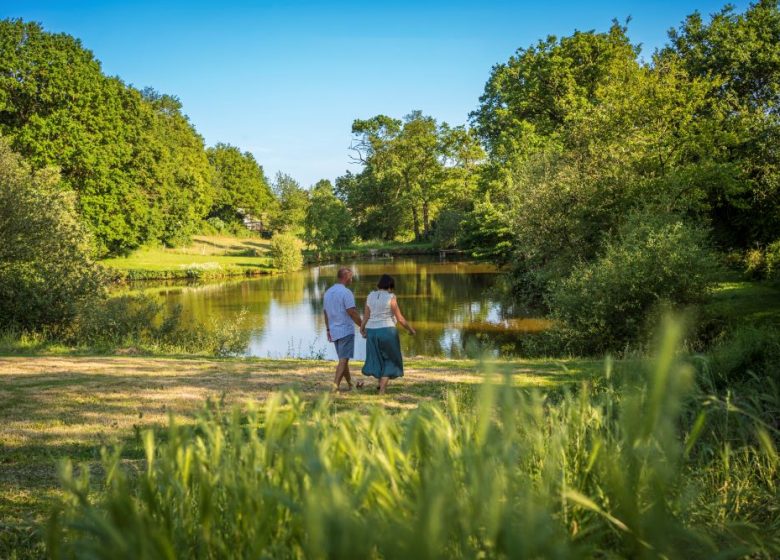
(772, 259)
(286, 252)
(755, 263)
(46, 265)
(144, 323)
(653, 262)
(216, 224)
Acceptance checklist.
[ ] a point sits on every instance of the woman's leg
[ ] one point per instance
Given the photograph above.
(383, 384)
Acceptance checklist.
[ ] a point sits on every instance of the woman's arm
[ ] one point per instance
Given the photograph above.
(366, 316)
(400, 318)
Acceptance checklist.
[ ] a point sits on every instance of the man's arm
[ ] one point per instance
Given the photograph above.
(327, 325)
(353, 313)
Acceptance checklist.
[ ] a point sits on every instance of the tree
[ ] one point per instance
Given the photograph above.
(292, 202)
(328, 224)
(46, 266)
(181, 179)
(408, 158)
(57, 108)
(528, 99)
(741, 54)
(240, 184)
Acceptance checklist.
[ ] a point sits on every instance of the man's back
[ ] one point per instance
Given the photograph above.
(338, 298)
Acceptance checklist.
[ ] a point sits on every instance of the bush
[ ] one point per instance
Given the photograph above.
(653, 262)
(772, 259)
(755, 264)
(286, 252)
(144, 323)
(216, 224)
(46, 266)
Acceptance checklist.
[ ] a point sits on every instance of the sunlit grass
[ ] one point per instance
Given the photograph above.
(233, 255)
(57, 407)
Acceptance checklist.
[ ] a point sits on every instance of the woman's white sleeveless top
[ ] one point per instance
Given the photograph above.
(381, 314)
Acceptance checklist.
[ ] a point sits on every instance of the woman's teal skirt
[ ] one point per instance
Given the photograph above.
(383, 353)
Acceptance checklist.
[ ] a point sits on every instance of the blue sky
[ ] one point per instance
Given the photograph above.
(284, 80)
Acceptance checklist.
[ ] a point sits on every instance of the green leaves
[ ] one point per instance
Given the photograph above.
(328, 224)
(46, 266)
(136, 163)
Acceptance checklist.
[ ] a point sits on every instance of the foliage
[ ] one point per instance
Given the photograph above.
(292, 202)
(142, 322)
(286, 252)
(414, 166)
(447, 228)
(763, 264)
(747, 352)
(605, 304)
(740, 52)
(327, 224)
(626, 469)
(46, 266)
(137, 164)
(487, 232)
(375, 211)
(239, 183)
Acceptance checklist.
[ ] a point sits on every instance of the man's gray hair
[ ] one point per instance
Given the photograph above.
(343, 273)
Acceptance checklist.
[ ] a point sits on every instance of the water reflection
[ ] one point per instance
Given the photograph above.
(448, 303)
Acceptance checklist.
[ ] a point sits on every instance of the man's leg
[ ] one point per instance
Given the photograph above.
(347, 374)
(342, 365)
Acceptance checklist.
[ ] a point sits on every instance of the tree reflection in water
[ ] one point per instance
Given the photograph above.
(449, 303)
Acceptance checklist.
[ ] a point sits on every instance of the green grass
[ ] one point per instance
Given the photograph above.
(380, 247)
(748, 303)
(206, 257)
(56, 407)
(634, 463)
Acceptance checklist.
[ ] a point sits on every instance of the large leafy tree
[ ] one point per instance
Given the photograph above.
(328, 224)
(136, 164)
(240, 184)
(180, 178)
(57, 108)
(740, 53)
(408, 159)
(528, 100)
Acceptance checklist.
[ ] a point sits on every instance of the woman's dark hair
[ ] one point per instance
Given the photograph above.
(386, 282)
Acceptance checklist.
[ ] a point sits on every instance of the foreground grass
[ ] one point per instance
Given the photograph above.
(57, 407)
(206, 257)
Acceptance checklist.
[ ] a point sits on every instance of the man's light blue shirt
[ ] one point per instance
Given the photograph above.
(338, 298)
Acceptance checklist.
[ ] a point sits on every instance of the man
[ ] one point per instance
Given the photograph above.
(340, 313)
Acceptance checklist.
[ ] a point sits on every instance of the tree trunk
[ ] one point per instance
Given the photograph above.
(426, 221)
(416, 218)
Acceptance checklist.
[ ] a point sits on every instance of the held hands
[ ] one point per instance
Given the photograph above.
(411, 329)
(363, 332)
(330, 338)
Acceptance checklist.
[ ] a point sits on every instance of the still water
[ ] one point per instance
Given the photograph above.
(450, 304)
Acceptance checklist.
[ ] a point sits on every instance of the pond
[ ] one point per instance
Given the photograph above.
(450, 304)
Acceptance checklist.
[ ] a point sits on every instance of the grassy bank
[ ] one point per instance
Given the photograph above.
(376, 248)
(206, 257)
(57, 407)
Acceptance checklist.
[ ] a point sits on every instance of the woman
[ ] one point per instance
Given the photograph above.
(383, 348)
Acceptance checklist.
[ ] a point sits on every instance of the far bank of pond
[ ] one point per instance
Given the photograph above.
(451, 304)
